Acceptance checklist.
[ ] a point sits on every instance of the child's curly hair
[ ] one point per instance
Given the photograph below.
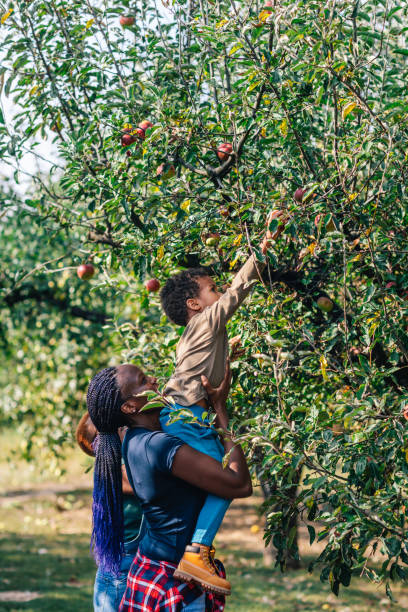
(177, 290)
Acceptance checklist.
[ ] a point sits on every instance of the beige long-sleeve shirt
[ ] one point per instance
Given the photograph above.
(203, 346)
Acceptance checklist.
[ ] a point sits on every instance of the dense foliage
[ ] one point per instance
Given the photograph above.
(311, 95)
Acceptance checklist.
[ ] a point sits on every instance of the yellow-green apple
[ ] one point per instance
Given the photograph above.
(212, 239)
(325, 304)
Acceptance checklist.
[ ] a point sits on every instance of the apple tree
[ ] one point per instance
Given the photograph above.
(177, 132)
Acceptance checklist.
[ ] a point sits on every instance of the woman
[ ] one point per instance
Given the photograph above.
(109, 587)
(168, 476)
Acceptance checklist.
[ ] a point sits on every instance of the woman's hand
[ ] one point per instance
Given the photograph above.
(218, 396)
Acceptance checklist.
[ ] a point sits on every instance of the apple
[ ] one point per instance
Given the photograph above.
(152, 285)
(126, 21)
(165, 171)
(299, 193)
(224, 151)
(390, 284)
(212, 239)
(145, 124)
(140, 133)
(127, 139)
(325, 304)
(317, 220)
(405, 413)
(85, 271)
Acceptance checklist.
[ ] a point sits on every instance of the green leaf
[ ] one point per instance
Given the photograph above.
(312, 534)
(393, 545)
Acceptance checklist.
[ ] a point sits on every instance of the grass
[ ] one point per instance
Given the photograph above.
(45, 563)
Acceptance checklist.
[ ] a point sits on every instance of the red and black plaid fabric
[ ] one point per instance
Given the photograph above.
(152, 588)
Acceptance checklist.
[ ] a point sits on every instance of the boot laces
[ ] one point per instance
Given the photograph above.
(208, 559)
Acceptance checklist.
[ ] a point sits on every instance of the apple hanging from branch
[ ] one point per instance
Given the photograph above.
(127, 138)
(325, 304)
(152, 285)
(145, 124)
(212, 239)
(126, 21)
(85, 271)
(299, 194)
(224, 151)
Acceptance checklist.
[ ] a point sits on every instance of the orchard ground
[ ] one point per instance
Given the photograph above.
(45, 563)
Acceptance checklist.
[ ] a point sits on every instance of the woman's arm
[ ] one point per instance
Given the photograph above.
(207, 473)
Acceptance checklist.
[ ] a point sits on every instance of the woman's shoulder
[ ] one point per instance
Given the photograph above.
(157, 447)
(147, 436)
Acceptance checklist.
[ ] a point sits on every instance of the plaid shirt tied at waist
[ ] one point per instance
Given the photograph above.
(152, 588)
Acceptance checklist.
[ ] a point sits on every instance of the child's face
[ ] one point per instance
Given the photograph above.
(209, 293)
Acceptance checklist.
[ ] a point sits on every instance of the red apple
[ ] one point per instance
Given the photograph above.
(390, 284)
(126, 21)
(145, 125)
(85, 271)
(224, 151)
(140, 133)
(152, 285)
(317, 220)
(165, 171)
(325, 304)
(127, 139)
(405, 413)
(299, 193)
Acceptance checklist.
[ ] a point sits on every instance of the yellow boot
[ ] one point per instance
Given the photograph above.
(197, 565)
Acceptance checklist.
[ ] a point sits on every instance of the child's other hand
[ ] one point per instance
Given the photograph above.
(266, 242)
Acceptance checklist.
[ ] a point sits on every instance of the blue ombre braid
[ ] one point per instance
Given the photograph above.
(104, 401)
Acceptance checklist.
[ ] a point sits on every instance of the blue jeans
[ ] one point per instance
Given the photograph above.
(198, 605)
(109, 589)
(204, 439)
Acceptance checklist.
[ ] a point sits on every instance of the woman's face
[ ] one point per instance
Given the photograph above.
(132, 382)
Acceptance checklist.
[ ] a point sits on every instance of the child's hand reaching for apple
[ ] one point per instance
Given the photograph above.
(266, 242)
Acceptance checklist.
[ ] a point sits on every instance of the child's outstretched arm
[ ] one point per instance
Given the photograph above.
(222, 310)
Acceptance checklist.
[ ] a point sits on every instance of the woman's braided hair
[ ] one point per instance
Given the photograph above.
(104, 401)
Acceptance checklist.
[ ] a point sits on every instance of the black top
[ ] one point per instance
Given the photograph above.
(170, 505)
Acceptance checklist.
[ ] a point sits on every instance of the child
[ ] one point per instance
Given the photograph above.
(191, 298)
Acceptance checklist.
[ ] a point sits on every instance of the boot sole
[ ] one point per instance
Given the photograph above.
(209, 588)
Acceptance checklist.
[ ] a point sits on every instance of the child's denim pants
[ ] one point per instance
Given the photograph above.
(205, 439)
